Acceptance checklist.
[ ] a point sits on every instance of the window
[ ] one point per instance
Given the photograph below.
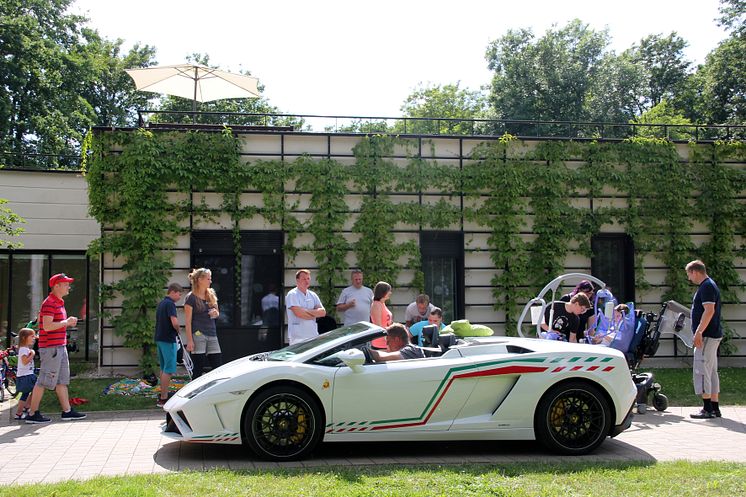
(443, 265)
(251, 308)
(613, 263)
(24, 284)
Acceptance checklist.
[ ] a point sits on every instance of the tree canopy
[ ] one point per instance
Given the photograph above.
(58, 77)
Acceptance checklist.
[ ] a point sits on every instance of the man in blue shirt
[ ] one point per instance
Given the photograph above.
(166, 329)
(435, 317)
(708, 333)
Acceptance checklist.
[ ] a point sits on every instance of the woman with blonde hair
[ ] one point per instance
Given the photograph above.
(200, 312)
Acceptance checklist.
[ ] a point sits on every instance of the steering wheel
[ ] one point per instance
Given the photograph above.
(366, 352)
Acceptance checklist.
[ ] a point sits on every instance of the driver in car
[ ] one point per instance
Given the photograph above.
(397, 346)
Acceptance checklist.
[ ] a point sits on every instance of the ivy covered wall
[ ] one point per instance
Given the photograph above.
(528, 211)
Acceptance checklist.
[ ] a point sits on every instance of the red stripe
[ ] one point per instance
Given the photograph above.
(558, 369)
(575, 368)
(489, 372)
(608, 368)
(592, 368)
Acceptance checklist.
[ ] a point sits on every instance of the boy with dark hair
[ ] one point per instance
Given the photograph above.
(166, 329)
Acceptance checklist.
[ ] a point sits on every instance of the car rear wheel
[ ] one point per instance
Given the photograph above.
(283, 423)
(572, 418)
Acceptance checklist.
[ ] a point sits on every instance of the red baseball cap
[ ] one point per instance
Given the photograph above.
(59, 278)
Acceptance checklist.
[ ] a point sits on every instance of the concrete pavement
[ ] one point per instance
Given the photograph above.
(117, 443)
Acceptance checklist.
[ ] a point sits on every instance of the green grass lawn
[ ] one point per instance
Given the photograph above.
(679, 479)
(676, 383)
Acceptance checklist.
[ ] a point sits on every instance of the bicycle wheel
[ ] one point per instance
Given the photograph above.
(10, 384)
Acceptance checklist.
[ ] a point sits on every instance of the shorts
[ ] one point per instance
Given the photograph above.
(167, 356)
(205, 344)
(55, 367)
(25, 384)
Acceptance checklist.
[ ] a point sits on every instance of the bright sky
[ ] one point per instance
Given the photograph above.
(335, 57)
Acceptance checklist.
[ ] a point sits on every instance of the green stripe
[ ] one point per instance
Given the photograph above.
(591, 359)
(446, 378)
(574, 359)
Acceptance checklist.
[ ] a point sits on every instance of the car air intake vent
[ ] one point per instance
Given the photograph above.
(515, 349)
(261, 356)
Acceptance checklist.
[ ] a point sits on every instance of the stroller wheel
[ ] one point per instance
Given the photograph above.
(660, 402)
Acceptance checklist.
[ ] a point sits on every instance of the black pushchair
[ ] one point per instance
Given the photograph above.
(672, 318)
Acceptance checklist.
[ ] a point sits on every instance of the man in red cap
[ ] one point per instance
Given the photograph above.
(54, 373)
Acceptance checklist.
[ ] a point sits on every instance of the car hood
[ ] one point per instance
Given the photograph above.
(233, 369)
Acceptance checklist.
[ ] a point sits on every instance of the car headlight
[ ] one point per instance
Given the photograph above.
(204, 387)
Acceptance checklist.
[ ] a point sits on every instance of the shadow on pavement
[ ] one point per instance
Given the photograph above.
(177, 456)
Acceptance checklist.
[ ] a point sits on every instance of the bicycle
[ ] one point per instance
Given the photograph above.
(7, 373)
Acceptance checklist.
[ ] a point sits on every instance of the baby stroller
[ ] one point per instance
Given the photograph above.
(637, 335)
(183, 357)
(673, 318)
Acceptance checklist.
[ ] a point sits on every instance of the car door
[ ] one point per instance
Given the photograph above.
(406, 395)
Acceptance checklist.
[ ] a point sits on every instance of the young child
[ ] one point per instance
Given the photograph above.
(25, 377)
(620, 313)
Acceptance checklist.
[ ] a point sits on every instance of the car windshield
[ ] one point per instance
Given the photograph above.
(292, 350)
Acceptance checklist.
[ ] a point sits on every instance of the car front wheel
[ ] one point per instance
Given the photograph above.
(283, 423)
(572, 418)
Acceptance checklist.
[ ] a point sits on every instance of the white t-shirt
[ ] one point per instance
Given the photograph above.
(24, 369)
(413, 313)
(269, 301)
(299, 329)
(361, 310)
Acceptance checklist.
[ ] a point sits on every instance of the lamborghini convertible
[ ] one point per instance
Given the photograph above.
(282, 404)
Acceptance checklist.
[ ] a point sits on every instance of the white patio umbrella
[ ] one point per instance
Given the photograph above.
(198, 83)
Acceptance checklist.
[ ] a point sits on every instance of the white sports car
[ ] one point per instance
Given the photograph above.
(283, 403)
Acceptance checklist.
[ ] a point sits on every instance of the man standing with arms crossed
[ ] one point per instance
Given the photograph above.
(303, 307)
(707, 336)
(54, 373)
(355, 300)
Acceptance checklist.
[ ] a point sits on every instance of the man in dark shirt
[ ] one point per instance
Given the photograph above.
(708, 333)
(166, 329)
(397, 346)
(564, 317)
(54, 371)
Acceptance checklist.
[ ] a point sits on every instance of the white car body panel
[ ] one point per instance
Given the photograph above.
(477, 390)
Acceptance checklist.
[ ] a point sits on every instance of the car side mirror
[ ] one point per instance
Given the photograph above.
(352, 358)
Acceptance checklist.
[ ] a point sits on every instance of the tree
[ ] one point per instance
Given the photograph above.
(733, 15)
(449, 103)
(722, 82)
(614, 95)
(664, 65)
(664, 114)
(38, 112)
(109, 90)
(548, 78)
(58, 78)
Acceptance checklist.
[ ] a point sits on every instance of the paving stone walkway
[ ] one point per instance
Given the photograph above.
(117, 443)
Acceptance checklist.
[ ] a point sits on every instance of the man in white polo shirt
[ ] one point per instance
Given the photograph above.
(303, 308)
(354, 302)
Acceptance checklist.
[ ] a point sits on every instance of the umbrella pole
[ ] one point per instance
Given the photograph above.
(194, 100)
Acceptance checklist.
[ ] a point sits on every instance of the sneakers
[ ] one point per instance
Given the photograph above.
(72, 415)
(37, 418)
(21, 416)
(717, 414)
(702, 414)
